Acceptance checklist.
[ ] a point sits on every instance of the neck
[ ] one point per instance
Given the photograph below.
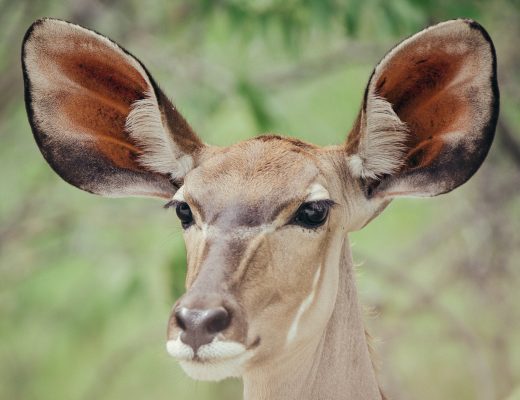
(335, 366)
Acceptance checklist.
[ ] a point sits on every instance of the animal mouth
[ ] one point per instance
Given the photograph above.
(215, 351)
(213, 361)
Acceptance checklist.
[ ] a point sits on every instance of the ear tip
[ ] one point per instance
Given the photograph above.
(474, 26)
(462, 22)
(30, 32)
(37, 27)
(40, 23)
(47, 27)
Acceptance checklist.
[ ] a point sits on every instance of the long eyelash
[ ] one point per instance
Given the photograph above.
(171, 203)
(327, 203)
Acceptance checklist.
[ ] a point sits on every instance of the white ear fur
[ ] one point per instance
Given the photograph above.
(429, 114)
(382, 146)
(160, 154)
(97, 116)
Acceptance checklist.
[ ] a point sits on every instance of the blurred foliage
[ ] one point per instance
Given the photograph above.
(86, 283)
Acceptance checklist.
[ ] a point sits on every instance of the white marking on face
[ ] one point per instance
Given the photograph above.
(215, 361)
(291, 335)
(216, 370)
(317, 192)
(180, 350)
(179, 194)
(218, 349)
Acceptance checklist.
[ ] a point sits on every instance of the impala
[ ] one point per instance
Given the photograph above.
(270, 289)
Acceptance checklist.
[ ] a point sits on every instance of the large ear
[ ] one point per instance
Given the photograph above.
(98, 117)
(429, 113)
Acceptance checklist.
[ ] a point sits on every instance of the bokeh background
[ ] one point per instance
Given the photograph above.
(86, 283)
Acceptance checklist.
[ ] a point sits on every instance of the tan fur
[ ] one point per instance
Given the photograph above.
(91, 97)
(295, 328)
(437, 91)
(266, 261)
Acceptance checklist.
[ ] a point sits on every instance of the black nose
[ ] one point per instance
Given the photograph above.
(201, 326)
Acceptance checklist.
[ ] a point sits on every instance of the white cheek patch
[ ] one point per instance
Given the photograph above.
(317, 192)
(293, 330)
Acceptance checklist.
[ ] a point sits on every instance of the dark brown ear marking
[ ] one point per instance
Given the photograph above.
(442, 83)
(185, 138)
(80, 88)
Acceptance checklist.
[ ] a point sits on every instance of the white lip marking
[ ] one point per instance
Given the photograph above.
(291, 335)
(317, 192)
(216, 370)
(218, 350)
(179, 195)
(178, 349)
(215, 351)
(215, 361)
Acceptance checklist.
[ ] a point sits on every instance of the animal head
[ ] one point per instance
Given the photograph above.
(265, 219)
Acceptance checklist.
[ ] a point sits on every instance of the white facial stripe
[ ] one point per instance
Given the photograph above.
(291, 335)
(317, 192)
(179, 195)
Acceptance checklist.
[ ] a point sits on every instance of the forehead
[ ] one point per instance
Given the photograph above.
(254, 177)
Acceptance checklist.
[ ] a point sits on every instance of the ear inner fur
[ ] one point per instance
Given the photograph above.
(441, 84)
(382, 148)
(169, 145)
(80, 90)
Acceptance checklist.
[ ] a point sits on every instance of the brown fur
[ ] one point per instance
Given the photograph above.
(442, 83)
(80, 88)
(289, 290)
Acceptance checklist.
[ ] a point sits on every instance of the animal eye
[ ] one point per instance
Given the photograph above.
(313, 213)
(183, 211)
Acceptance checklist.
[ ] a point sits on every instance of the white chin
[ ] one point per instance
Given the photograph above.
(215, 361)
(213, 370)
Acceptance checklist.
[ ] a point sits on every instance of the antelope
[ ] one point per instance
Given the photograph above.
(270, 288)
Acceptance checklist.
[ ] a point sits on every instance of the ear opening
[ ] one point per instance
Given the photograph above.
(429, 113)
(98, 117)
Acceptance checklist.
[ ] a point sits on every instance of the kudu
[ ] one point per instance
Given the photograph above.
(271, 294)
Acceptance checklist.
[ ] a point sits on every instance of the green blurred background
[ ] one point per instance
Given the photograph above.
(86, 283)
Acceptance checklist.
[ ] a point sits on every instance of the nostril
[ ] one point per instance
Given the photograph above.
(217, 320)
(179, 319)
(202, 322)
(200, 326)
